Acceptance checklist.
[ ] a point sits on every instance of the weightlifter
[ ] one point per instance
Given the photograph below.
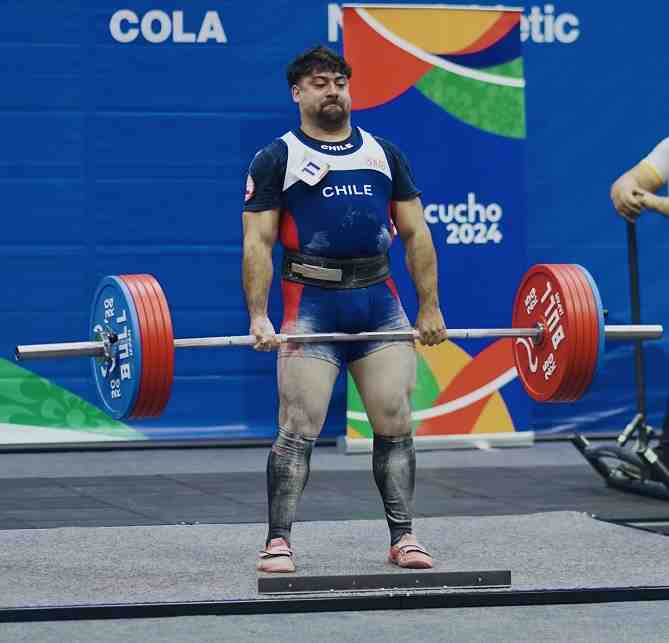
(335, 196)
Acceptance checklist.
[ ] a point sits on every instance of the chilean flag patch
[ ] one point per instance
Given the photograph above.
(250, 188)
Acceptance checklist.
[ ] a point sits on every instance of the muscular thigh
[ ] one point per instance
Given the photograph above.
(305, 389)
(385, 380)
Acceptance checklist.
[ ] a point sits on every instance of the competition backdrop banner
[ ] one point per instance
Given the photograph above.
(127, 129)
(446, 85)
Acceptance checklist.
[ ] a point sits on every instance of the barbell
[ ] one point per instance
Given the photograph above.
(557, 323)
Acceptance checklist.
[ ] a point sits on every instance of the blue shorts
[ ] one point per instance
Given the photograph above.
(310, 309)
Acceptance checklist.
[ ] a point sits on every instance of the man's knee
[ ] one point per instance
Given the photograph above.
(298, 414)
(297, 420)
(395, 416)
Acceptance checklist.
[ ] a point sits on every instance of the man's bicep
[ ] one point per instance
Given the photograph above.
(261, 227)
(404, 186)
(264, 181)
(653, 171)
(408, 217)
(644, 176)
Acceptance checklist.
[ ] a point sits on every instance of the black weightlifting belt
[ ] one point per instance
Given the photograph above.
(335, 273)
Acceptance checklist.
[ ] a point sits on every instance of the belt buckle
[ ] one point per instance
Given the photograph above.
(317, 272)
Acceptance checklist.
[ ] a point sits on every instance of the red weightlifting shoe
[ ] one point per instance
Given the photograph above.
(276, 558)
(408, 553)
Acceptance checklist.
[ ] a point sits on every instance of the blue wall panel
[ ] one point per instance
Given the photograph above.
(132, 158)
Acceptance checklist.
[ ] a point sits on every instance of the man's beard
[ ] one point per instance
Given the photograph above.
(331, 119)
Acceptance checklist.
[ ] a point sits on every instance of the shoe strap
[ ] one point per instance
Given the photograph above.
(409, 547)
(274, 552)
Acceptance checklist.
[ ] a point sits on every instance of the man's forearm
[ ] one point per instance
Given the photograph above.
(257, 276)
(421, 261)
(661, 204)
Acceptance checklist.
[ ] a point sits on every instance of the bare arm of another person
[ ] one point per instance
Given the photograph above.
(260, 233)
(635, 190)
(422, 264)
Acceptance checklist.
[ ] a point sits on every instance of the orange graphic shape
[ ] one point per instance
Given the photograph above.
(439, 30)
(506, 23)
(445, 361)
(495, 417)
(488, 365)
(383, 71)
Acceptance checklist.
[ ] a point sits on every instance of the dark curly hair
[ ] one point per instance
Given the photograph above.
(316, 59)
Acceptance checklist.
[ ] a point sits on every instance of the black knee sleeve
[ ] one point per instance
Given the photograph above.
(394, 464)
(287, 475)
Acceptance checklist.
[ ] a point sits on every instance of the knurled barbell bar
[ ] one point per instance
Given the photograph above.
(557, 323)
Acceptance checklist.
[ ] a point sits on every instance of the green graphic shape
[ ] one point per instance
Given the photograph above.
(28, 399)
(512, 69)
(423, 396)
(497, 109)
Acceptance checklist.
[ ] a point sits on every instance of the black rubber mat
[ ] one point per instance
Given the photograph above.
(330, 495)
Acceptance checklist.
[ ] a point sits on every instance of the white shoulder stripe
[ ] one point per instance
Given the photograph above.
(295, 156)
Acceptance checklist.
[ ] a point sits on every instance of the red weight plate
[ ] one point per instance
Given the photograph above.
(163, 382)
(157, 334)
(144, 283)
(571, 308)
(583, 352)
(583, 344)
(147, 348)
(592, 328)
(540, 299)
(598, 333)
(137, 411)
(149, 383)
(168, 349)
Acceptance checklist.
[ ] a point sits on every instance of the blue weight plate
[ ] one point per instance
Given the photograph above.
(600, 315)
(117, 380)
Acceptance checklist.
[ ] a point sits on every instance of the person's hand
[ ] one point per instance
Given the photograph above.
(648, 200)
(431, 326)
(265, 334)
(625, 199)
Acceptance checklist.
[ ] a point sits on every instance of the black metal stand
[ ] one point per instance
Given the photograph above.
(639, 469)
